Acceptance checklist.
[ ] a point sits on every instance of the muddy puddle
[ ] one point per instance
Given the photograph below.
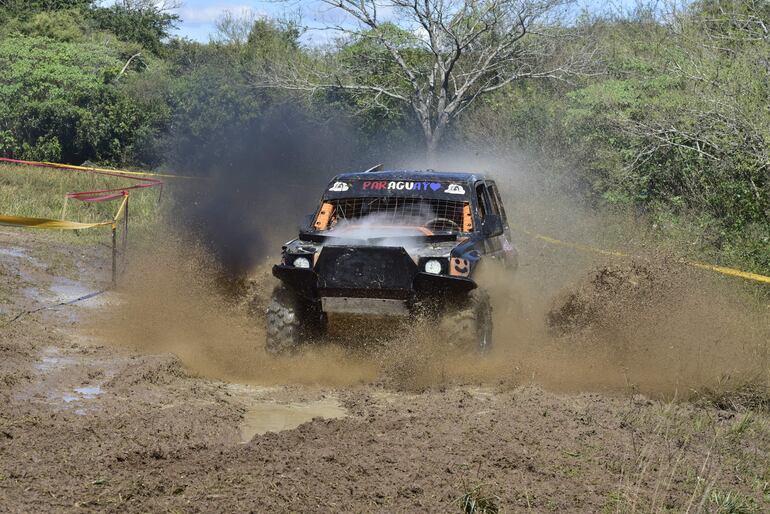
(63, 380)
(63, 290)
(59, 289)
(75, 396)
(19, 253)
(66, 290)
(263, 417)
(81, 393)
(52, 360)
(89, 393)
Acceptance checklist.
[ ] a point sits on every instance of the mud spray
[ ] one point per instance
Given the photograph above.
(567, 320)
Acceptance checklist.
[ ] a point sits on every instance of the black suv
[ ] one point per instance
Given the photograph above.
(393, 243)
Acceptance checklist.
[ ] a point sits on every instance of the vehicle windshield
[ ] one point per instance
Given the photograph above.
(392, 215)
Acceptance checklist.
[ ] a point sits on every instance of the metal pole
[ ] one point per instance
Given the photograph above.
(125, 239)
(64, 208)
(114, 255)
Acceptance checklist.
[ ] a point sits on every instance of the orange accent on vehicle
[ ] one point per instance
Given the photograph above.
(459, 267)
(324, 215)
(467, 218)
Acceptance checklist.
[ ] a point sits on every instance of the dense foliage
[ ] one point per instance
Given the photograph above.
(674, 121)
(57, 102)
(678, 125)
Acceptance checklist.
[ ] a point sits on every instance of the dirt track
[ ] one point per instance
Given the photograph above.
(86, 425)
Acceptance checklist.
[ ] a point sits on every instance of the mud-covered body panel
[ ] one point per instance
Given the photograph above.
(345, 270)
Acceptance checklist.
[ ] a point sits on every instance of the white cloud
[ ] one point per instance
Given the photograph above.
(208, 15)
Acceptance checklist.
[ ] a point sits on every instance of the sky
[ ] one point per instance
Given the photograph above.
(199, 16)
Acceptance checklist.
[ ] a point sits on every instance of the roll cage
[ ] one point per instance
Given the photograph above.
(468, 213)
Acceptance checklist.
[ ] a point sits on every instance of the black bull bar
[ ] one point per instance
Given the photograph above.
(368, 272)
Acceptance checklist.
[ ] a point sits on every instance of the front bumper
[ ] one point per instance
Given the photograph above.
(306, 282)
(364, 306)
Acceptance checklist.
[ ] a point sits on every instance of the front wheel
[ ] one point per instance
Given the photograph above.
(291, 320)
(470, 326)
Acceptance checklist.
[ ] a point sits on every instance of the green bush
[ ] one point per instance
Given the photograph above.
(59, 101)
(148, 26)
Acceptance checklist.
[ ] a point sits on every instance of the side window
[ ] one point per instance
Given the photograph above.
(498, 202)
(493, 198)
(481, 200)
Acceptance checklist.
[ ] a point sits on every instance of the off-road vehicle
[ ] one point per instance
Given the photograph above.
(393, 243)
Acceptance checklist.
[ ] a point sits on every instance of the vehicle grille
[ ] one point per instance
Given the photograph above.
(364, 268)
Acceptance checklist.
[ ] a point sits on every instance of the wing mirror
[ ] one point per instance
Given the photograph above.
(492, 225)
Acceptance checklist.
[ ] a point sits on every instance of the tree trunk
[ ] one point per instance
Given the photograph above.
(431, 150)
(432, 141)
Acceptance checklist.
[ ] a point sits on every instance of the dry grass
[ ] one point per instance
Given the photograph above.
(476, 501)
(40, 193)
(748, 395)
(695, 459)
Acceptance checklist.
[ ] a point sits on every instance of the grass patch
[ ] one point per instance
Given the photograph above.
(720, 502)
(40, 193)
(476, 501)
(694, 459)
(749, 395)
(702, 238)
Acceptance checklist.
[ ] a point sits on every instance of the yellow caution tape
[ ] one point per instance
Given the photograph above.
(106, 170)
(730, 271)
(701, 265)
(52, 224)
(56, 165)
(47, 223)
(122, 208)
(579, 246)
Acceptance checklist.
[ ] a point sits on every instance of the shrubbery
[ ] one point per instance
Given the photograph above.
(60, 102)
(678, 126)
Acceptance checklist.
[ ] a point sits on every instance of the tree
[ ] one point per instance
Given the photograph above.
(27, 6)
(140, 21)
(23, 9)
(437, 57)
(59, 102)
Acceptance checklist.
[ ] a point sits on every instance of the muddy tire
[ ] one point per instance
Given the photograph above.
(290, 321)
(470, 327)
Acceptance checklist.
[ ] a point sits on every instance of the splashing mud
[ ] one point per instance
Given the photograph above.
(658, 329)
(568, 320)
(173, 303)
(651, 326)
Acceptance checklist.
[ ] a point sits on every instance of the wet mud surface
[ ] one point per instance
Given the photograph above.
(90, 425)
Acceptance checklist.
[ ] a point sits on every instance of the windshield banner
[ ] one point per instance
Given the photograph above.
(340, 189)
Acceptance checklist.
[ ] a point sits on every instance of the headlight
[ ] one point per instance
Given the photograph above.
(433, 266)
(301, 262)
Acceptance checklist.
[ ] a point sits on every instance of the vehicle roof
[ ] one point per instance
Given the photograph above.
(428, 174)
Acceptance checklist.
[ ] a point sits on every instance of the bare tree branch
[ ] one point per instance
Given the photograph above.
(439, 56)
(128, 63)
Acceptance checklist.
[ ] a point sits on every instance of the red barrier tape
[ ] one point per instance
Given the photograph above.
(90, 196)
